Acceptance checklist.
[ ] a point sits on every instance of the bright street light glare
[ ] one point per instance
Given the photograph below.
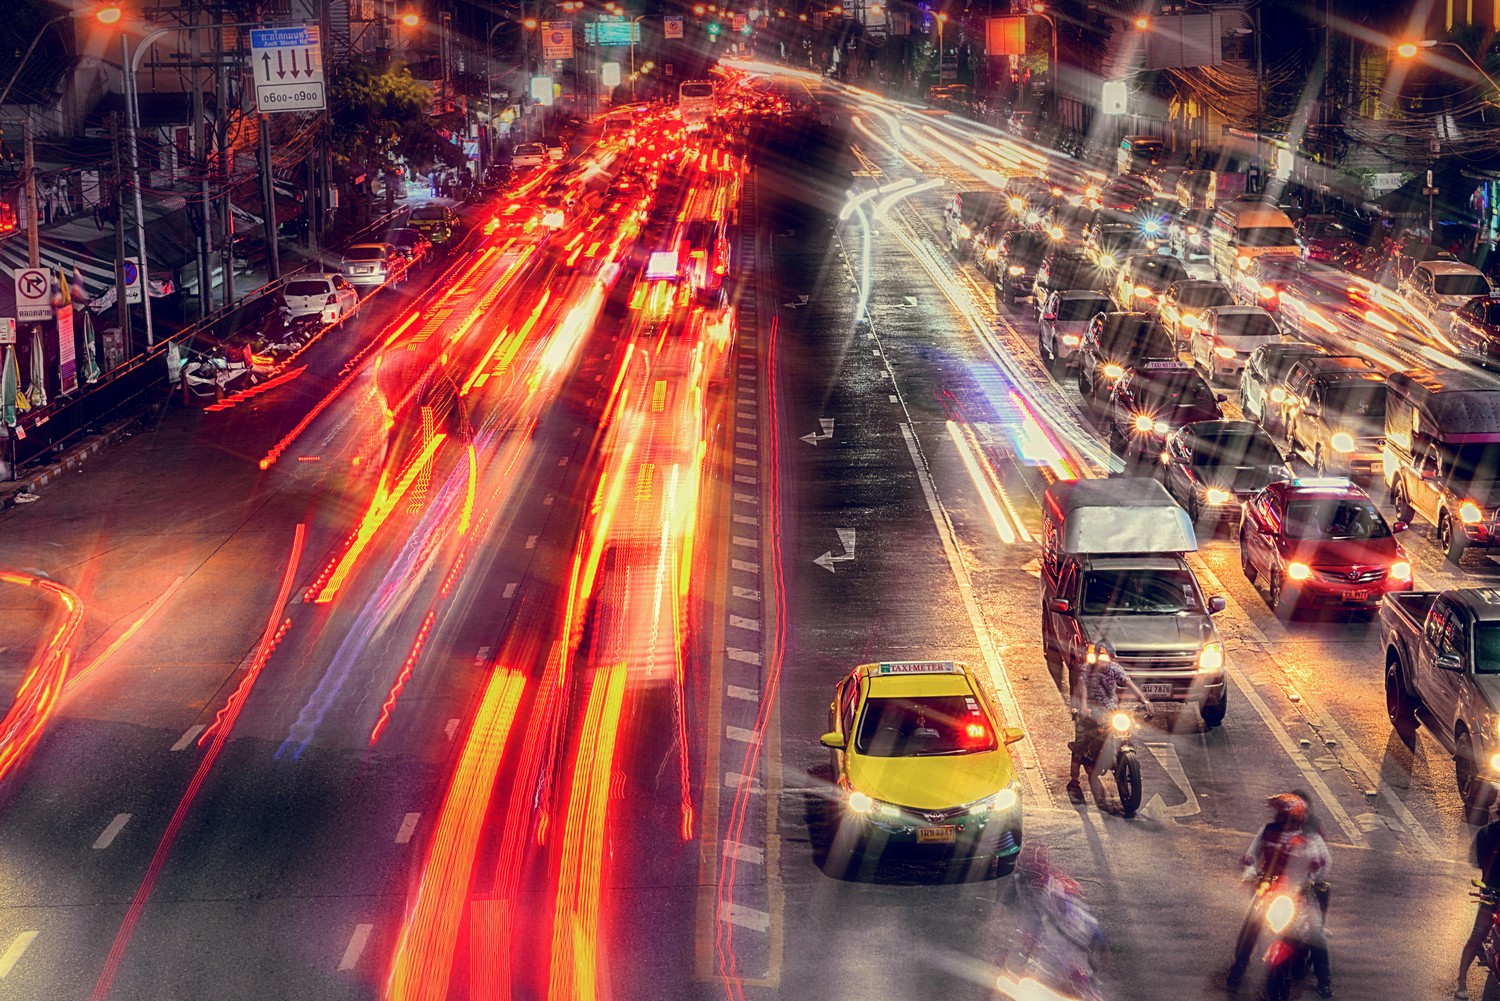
(109, 15)
(411, 20)
(1406, 50)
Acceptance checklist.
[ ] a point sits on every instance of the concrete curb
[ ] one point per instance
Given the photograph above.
(70, 461)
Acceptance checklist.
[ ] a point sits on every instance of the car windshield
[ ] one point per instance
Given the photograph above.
(1186, 390)
(306, 286)
(1460, 284)
(1235, 450)
(1081, 309)
(1138, 339)
(430, 214)
(1365, 399)
(531, 149)
(916, 727)
(1318, 229)
(1280, 363)
(1203, 296)
(364, 254)
(1334, 518)
(1027, 247)
(1487, 648)
(1139, 592)
(1268, 236)
(1247, 325)
(1160, 271)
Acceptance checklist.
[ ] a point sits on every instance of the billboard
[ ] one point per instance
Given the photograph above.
(1183, 40)
(618, 33)
(1005, 36)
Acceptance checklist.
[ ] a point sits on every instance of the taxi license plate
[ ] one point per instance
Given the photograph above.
(1356, 595)
(935, 835)
(1153, 691)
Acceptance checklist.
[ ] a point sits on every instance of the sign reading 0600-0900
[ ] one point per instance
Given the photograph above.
(288, 67)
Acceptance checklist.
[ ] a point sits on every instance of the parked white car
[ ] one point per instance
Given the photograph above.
(327, 295)
(528, 155)
(370, 264)
(1436, 288)
(1225, 336)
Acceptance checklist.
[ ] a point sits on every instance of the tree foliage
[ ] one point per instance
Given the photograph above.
(380, 116)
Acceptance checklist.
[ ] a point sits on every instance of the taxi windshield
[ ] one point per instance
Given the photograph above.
(1186, 391)
(1139, 592)
(916, 727)
(1334, 518)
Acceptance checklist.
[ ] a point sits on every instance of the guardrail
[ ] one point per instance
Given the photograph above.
(47, 430)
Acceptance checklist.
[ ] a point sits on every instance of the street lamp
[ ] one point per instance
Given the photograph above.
(942, 19)
(1040, 10)
(1409, 50)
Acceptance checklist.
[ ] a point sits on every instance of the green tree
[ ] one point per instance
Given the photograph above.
(380, 116)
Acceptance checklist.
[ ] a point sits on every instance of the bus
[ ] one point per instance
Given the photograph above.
(695, 102)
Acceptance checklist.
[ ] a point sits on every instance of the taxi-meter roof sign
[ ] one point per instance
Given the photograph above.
(918, 667)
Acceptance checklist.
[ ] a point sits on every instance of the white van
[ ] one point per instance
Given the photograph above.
(1246, 228)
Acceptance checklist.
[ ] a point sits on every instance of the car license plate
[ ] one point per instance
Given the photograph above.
(1356, 595)
(1154, 691)
(359, 271)
(936, 835)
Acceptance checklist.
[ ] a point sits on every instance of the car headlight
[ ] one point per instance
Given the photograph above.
(1469, 513)
(992, 254)
(1106, 260)
(1190, 321)
(1015, 270)
(1215, 495)
(1298, 571)
(965, 232)
(1211, 657)
(1495, 763)
(1005, 799)
(1120, 722)
(1242, 262)
(1400, 570)
(1113, 371)
(861, 804)
(1342, 441)
(1223, 352)
(1055, 232)
(1016, 204)
(1142, 292)
(1071, 340)
(1195, 240)
(1160, 427)
(1278, 395)
(1143, 423)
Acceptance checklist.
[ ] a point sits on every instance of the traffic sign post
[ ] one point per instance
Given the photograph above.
(33, 295)
(288, 67)
(132, 279)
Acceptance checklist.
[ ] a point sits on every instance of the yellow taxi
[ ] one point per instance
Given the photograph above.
(921, 758)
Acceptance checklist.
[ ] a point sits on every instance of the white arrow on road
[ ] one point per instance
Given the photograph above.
(824, 435)
(801, 301)
(827, 560)
(1166, 756)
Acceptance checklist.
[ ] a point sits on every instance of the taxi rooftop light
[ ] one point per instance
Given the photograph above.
(918, 667)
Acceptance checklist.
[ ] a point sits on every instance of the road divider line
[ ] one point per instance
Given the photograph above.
(356, 947)
(111, 831)
(15, 951)
(188, 736)
(408, 827)
(1031, 772)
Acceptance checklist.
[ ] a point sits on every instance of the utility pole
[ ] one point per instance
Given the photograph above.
(132, 150)
(221, 131)
(28, 160)
(200, 148)
(122, 308)
(268, 197)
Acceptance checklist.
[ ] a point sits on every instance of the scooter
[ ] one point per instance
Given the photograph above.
(1277, 917)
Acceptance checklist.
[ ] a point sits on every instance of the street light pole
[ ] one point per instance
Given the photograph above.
(1409, 49)
(1040, 10)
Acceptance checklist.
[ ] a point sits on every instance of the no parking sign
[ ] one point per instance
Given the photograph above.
(557, 39)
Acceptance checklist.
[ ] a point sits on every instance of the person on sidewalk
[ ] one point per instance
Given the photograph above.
(1486, 856)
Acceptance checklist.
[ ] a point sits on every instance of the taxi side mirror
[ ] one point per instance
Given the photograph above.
(1062, 606)
(832, 739)
(1217, 604)
(1011, 734)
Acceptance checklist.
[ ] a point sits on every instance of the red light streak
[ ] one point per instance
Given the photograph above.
(221, 728)
(134, 627)
(36, 698)
(401, 679)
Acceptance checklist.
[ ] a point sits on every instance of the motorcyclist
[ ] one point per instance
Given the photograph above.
(1095, 695)
(1487, 858)
(1285, 847)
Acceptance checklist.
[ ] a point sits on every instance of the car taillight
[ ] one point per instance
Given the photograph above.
(332, 300)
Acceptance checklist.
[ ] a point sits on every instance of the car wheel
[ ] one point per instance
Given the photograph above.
(1400, 707)
(1472, 787)
(1450, 540)
(1116, 440)
(1194, 509)
(1250, 572)
(1128, 783)
(1404, 510)
(1274, 593)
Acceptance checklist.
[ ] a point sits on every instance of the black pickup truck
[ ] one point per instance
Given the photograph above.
(1442, 670)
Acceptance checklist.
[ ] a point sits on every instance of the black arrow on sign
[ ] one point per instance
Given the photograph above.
(267, 58)
(293, 70)
(280, 69)
(308, 54)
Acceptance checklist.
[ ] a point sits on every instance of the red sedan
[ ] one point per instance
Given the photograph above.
(1321, 541)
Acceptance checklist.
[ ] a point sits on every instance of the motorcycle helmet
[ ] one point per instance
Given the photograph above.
(1289, 808)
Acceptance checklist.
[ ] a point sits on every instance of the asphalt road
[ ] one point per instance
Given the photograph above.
(384, 688)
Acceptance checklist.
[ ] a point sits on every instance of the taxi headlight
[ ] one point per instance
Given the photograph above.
(1298, 571)
(1142, 292)
(861, 804)
(1120, 722)
(1278, 395)
(1190, 321)
(1106, 260)
(1071, 340)
(1342, 441)
(1400, 570)
(1223, 352)
(1214, 495)
(1160, 427)
(1143, 423)
(1015, 270)
(1196, 240)
(1469, 513)
(992, 254)
(1211, 657)
(1056, 232)
(1242, 262)
(1016, 204)
(1113, 371)
(965, 232)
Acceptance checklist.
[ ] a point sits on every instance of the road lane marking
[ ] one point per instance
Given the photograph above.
(1157, 809)
(745, 917)
(188, 736)
(734, 780)
(743, 623)
(744, 656)
(1031, 767)
(742, 478)
(408, 827)
(740, 540)
(745, 519)
(111, 831)
(743, 565)
(745, 853)
(742, 461)
(748, 594)
(509, 591)
(747, 498)
(563, 461)
(531, 541)
(356, 946)
(742, 735)
(744, 694)
(451, 728)
(16, 950)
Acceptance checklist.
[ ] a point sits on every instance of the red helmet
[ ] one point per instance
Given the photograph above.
(1289, 808)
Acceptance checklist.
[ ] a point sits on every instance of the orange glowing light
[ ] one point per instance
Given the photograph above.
(411, 19)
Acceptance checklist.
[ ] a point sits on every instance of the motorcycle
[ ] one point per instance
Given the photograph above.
(1278, 916)
(1489, 949)
(1116, 752)
(1060, 939)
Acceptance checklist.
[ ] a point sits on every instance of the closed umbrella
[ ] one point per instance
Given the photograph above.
(10, 386)
(90, 361)
(38, 388)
